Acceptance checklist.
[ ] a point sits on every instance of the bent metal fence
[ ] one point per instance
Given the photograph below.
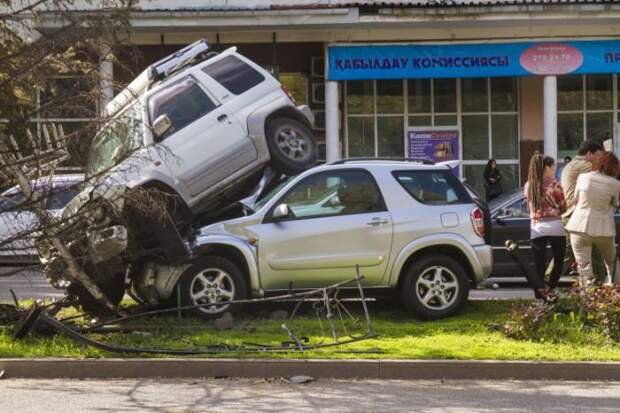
(337, 323)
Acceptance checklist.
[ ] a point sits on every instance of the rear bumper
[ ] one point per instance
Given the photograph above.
(305, 110)
(485, 262)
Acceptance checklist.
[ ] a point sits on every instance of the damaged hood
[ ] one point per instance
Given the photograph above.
(111, 194)
(237, 227)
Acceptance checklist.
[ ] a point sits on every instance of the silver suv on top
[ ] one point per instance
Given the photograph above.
(198, 128)
(411, 227)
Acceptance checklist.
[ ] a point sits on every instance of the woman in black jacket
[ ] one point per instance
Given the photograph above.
(492, 180)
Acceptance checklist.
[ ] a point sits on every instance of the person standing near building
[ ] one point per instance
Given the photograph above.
(560, 168)
(588, 152)
(492, 180)
(546, 202)
(592, 221)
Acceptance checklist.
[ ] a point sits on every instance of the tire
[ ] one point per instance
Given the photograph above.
(292, 146)
(114, 290)
(430, 297)
(198, 286)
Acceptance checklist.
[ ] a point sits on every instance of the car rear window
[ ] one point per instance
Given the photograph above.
(433, 187)
(234, 75)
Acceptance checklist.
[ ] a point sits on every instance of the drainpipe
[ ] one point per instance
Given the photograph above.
(550, 118)
(106, 80)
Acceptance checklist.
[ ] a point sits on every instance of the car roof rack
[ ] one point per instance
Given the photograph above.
(189, 55)
(362, 159)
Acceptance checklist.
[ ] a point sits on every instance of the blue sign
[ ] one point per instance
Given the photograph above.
(473, 60)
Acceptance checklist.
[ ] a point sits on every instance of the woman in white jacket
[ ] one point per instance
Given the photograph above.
(592, 222)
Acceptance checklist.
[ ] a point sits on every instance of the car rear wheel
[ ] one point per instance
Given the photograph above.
(215, 281)
(434, 287)
(291, 145)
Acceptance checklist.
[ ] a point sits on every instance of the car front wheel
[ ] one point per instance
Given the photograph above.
(211, 283)
(291, 145)
(434, 287)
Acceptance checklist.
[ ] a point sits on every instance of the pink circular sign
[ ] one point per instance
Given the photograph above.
(551, 59)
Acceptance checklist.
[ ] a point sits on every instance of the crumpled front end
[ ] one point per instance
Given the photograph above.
(92, 229)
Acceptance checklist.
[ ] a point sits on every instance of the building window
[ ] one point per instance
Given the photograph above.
(376, 118)
(485, 111)
(585, 110)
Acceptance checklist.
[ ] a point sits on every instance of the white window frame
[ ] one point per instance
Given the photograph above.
(459, 116)
(584, 111)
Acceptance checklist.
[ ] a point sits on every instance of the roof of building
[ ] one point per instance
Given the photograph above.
(246, 5)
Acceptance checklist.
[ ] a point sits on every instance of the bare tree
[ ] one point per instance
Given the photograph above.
(30, 58)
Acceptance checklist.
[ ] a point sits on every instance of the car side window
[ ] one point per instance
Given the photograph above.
(433, 187)
(184, 102)
(343, 192)
(235, 75)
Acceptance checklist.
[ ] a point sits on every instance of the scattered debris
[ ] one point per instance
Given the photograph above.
(225, 322)
(278, 315)
(301, 379)
(262, 314)
(9, 313)
(326, 303)
(142, 333)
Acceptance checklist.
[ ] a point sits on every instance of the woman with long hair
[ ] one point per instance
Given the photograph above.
(592, 222)
(492, 180)
(546, 202)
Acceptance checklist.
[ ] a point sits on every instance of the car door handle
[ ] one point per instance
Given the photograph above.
(376, 222)
(222, 118)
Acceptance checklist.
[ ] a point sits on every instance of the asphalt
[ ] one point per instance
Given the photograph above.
(277, 395)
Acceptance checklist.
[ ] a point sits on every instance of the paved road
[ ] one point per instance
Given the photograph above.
(30, 284)
(26, 283)
(227, 395)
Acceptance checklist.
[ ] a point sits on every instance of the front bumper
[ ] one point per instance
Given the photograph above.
(107, 243)
(485, 261)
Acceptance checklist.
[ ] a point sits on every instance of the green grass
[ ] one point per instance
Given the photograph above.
(464, 337)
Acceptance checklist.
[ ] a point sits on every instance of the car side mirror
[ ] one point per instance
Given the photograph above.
(281, 212)
(161, 125)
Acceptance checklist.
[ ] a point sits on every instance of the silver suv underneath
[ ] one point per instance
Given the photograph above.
(410, 227)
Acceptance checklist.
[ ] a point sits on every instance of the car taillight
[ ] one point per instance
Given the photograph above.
(477, 220)
(285, 90)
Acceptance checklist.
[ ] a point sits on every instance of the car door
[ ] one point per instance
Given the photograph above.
(205, 143)
(338, 220)
(512, 222)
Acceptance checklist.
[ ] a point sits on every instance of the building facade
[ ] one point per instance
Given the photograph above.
(494, 78)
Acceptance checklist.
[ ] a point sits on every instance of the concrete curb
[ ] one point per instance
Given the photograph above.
(340, 369)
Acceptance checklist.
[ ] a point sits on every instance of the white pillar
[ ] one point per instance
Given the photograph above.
(106, 80)
(550, 117)
(332, 122)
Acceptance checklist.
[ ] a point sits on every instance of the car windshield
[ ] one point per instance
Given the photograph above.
(117, 139)
(495, 203)
(262, 200)
(9, 201)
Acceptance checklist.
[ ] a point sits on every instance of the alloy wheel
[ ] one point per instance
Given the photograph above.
(292, 143)
(437, 288)
(212, 286)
